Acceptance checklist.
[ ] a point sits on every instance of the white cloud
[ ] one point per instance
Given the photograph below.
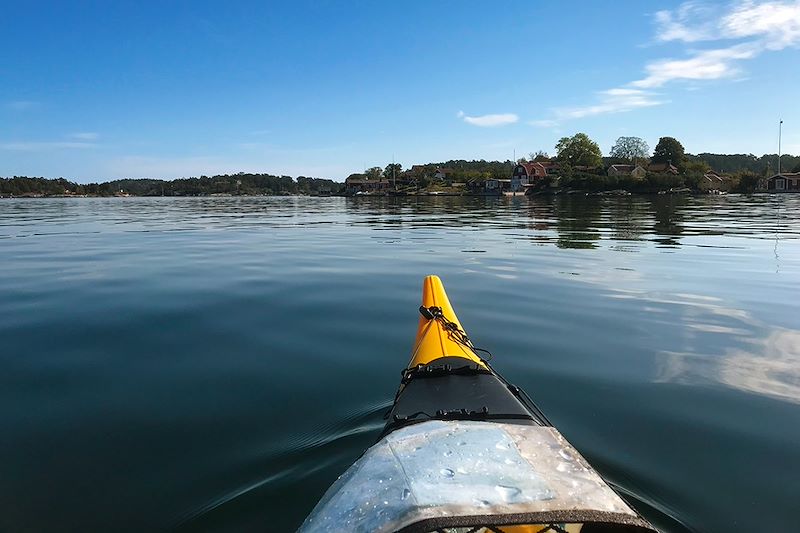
(544, 123)
(751, 29)
(489, 121)
(776, 23)
(613, 101)
(691, 22)
(616, 100)
(84, 136)
(705, 65)
(26, 146)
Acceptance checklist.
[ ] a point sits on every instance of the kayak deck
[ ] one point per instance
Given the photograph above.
(434, 340)
(446, 379)
(463, 450)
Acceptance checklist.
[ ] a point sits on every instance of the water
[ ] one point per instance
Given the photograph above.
(215, 363)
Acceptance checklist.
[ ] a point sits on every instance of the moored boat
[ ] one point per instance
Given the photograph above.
(464, 450)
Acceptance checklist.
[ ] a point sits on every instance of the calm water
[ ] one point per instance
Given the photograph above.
(215, 363)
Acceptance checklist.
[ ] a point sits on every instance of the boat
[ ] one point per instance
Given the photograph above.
(463, 450)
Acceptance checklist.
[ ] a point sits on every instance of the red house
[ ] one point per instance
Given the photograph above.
(784, 182)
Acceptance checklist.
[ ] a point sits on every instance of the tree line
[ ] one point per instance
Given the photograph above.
(233, 184)
(580, 161)
(582, 165)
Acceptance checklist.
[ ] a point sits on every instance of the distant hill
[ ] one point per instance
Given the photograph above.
(242, 183)
(733, 163)
(268, 184)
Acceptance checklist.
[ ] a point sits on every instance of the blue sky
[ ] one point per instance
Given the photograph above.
(101, 90)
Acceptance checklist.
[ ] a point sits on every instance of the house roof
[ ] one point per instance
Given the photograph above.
(660, 167)
(420, 168)
(363, 181)
(624, 168)
(793, 175)
(531, 166)
(711, 176)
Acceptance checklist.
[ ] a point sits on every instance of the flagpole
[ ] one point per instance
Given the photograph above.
(780, 127)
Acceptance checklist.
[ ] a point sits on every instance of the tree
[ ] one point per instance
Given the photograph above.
(539, 155)
(396, 167)
(695, 167)
(631, 149)
(579, 150)
(374, 173)
(747, 182)
(668, 150)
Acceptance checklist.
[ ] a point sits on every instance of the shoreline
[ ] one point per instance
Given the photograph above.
(539, 194)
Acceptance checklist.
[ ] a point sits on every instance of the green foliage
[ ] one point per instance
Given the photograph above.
(565, 170)
(693, 165)
(766, 164)
(746, 182)
(585, 181)
(668, 150)
(396, 167)
(374, 173)
(579, 150)
(661, 182)
(242, 183)
(630, 149)
(538, 156)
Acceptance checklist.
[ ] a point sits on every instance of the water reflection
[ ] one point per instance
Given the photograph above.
(578, 222)
(769, 366)
(668, 214)
(569, 221)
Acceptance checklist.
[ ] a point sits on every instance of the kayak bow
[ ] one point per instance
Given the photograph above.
(464, 450)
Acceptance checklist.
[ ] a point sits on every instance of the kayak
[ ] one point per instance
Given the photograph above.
(464, 450)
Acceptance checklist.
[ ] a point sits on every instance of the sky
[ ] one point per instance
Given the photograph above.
(93, 91)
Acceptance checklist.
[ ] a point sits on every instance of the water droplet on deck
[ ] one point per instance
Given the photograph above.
(508, 493)
(446, 472)
(406, 494)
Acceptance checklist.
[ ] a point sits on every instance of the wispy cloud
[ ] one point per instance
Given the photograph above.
(691, 22)
(616, 100)
(21, 105)
(705, 65)
(84, 136)
(489, 121)
(41, 146)
(775, 24)
(746, 29)
(544, 123)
